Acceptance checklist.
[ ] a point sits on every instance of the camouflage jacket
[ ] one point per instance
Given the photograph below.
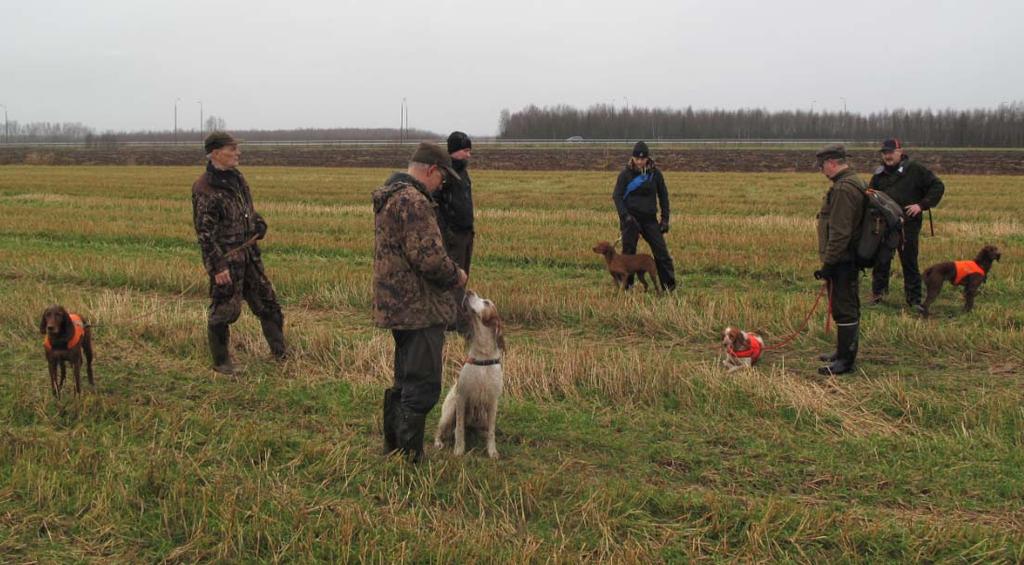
(412, 273)
(842, 211)
(224, 217)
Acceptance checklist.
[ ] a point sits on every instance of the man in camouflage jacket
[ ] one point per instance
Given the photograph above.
(413, 277)
(839, 226)
(227, 226)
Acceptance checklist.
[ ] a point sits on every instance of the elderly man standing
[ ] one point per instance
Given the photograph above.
(227, 226)
(413, 278)
(839, 226)
(916, 189)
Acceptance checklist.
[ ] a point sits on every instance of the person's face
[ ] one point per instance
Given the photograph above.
(435, 178)
(640, 162)
(891, 158)
(226, 157)
(462, 154)
(829, 167)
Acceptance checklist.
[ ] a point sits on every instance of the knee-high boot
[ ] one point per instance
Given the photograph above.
(220, 336)
(847, 343)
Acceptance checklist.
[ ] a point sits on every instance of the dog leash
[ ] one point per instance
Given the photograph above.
(248, 243)
(825, 287)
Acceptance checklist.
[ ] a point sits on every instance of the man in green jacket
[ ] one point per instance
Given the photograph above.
(839, 226)
(916, 189)
(413, 277)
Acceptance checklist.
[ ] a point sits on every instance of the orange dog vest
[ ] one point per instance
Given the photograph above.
(76, 337)
(754, 352)
(965, 269)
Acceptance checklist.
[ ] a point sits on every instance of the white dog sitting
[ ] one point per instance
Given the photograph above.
(473, 400)
(742, 349)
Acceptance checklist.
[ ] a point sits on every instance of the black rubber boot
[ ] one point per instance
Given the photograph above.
(273, 330)
(219, 336)
(828, 357)
(846, 351)
(392, 415)
(410, 434)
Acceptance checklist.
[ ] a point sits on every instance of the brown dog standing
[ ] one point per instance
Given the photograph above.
(969, 274)
(621, 266)
(67, 336)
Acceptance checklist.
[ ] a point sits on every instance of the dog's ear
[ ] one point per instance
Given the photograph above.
(491, 319)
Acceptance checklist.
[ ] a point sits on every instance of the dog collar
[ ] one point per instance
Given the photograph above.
(482, 363)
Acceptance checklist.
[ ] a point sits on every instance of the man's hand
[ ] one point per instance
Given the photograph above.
(222, 278)
(913, 210)
(463, 277)
(261, 230)
(663, 226)
(825, 272)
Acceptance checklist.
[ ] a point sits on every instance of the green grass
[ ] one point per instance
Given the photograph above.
(621, 439)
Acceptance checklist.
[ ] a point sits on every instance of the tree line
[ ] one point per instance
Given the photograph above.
(74, 132)
(994, 127)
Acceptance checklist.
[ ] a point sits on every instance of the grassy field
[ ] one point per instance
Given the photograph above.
(621, 438)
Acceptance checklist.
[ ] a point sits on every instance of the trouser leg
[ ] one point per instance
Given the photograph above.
(908, 260)
(881, 272)
(459, 245)
(651, 231)
(844, 287)
(630, 236)
(418, 369)
(225, 306)
(259, 294)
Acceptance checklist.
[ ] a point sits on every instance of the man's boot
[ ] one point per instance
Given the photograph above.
(828, 357)
(273, 330)
(846, 351)
(219, 336)
(410, 434)
(392, 416)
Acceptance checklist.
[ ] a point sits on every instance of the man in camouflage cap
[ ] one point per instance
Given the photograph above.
(839, 226)
(412, 281)
(227, 226)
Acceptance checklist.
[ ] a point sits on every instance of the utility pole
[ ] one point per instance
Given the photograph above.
(176, 100)
(401, 124)
(201, 131)
(844, 103)
(7, 133)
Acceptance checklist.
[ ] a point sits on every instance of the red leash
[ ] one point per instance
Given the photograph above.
(807, 318)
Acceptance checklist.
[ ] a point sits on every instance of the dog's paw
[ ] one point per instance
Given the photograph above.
(459, 450)
(438, 444)
(493, 453)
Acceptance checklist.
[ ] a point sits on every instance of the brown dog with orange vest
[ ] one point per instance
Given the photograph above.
(969, 274)
(67, 337)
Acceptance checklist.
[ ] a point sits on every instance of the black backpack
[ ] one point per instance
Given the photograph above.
(882, 230)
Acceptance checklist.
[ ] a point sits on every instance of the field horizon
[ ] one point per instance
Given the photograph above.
(621, 438)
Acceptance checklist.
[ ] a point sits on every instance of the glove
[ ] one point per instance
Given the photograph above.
(261, 229)
(663, 226)
(825, 272)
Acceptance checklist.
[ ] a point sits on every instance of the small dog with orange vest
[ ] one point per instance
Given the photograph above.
(67, 337)
(968, 274)
(742, 349)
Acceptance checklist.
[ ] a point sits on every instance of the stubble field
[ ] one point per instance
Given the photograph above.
(621, 438)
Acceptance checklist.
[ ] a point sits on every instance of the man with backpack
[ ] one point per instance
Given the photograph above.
(839, 227)
(915, 189)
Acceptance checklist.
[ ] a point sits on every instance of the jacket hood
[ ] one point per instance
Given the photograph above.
(395, 183)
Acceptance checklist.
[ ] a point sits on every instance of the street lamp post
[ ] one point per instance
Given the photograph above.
(201, 131)
(176, 100)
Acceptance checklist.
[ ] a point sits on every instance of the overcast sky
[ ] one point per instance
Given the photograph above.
(120, 64)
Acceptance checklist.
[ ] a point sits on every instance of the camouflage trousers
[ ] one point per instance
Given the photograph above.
(249, 283)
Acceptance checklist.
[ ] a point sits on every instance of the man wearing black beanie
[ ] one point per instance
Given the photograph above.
(639, 191)
(455, 209)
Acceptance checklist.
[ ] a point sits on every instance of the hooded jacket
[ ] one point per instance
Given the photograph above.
(412, 273)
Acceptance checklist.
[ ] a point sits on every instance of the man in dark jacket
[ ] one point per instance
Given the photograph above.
(455, 214)
(227, 227)
(916, 189)
(639, 190)
(412, 281)
(839, 226)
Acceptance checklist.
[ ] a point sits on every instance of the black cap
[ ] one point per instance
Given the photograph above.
(641, 150)
(458, 141)
(218, 139)
(432, 154)
(833, 151)
(891, 144)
